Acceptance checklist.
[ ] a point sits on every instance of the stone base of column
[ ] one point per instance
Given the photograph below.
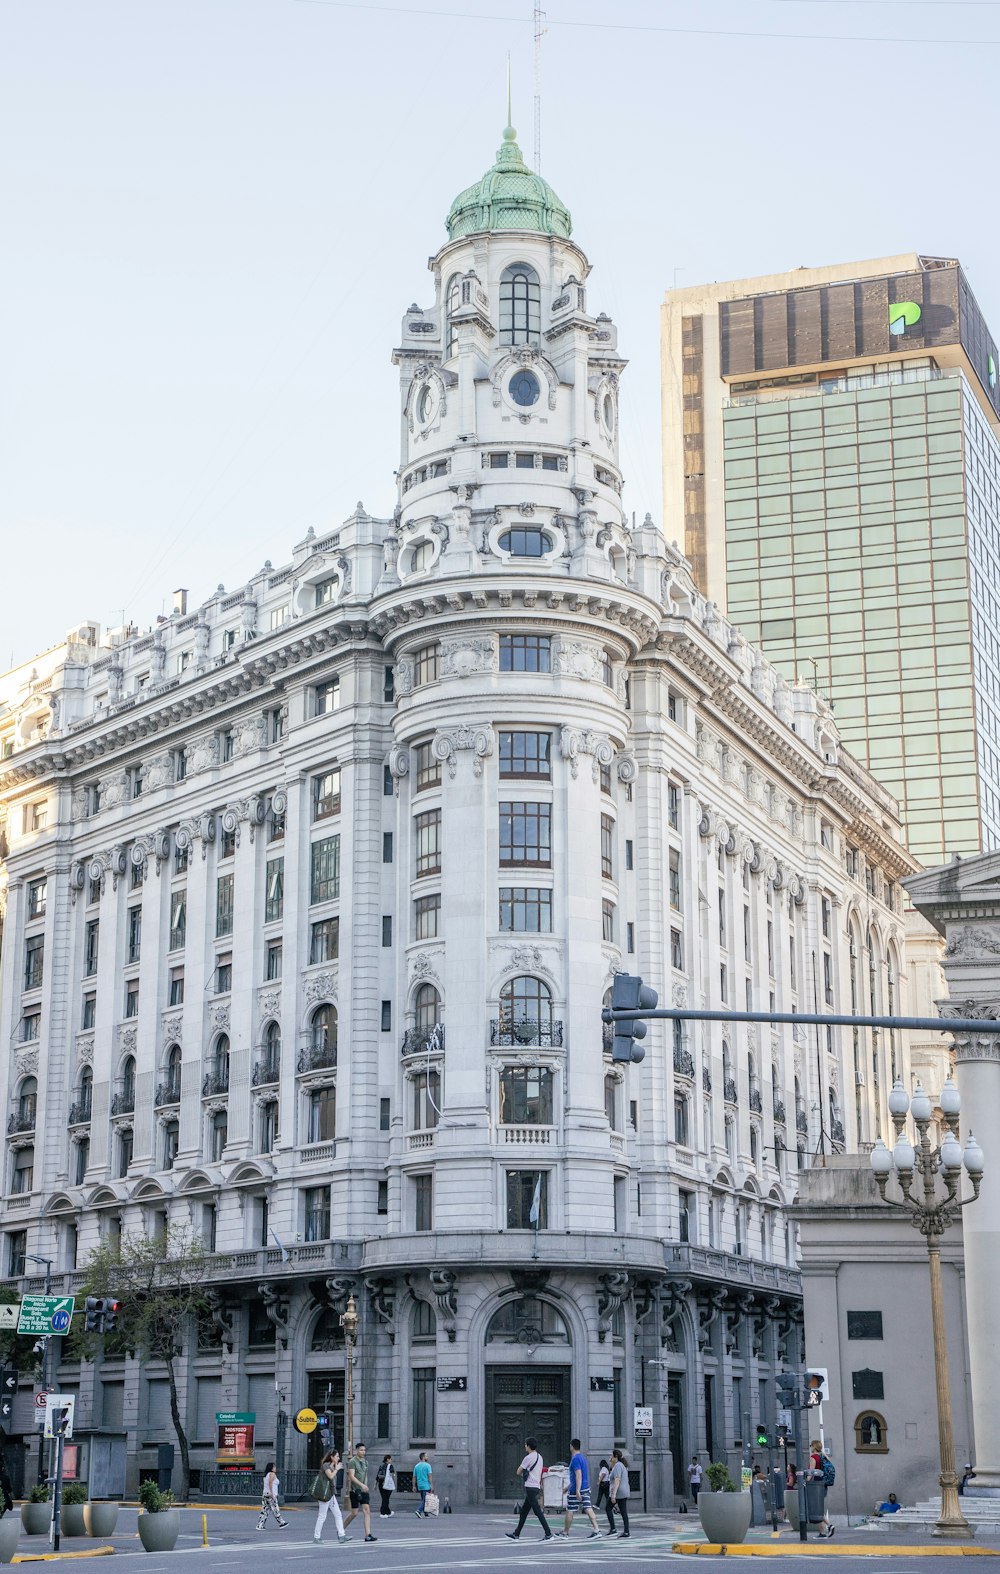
(954, 1529)
(986, 1484)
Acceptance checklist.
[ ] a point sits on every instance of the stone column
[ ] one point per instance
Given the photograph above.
(962, 901)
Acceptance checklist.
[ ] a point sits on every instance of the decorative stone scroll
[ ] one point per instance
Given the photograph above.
(479, 740)
(573, 743)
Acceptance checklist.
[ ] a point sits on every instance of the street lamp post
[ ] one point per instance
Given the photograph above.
(349, 1323)
(919, 1168)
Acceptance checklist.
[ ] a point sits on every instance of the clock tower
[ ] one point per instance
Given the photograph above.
(508, 397)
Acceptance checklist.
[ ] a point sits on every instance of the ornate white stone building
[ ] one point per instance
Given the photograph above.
(314, 894)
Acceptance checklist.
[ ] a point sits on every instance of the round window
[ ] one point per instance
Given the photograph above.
(425, 403)
(608, 412)
(524, 388)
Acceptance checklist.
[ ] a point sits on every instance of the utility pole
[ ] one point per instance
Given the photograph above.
(47, 1264)
(349, 1323)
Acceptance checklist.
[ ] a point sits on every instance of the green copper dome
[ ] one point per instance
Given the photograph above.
(510, 196)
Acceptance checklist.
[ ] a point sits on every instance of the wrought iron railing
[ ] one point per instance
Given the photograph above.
(779, 1113)
(756, 1102)
(683, 1061)
(802, 1122)
(423, 1041)
(265, 1072)
(18, 1123)
(317, 1057)
(79, 1113)
(517, 1031)
(215, 1082)
(123, 1102)
(166, 1093)
(729, 1091)
(706, 1079)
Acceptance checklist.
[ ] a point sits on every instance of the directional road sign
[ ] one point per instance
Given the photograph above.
(45, 1314)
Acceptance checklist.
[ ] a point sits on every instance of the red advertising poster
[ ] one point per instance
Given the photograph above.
(235, 1438)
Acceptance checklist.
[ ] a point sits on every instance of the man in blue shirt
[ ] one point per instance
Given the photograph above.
(578, 1492)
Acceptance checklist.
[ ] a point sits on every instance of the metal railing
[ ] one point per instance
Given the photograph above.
(683, 1061)
(729, 1091)
(423, 1041)
(215, 1082)
(518, 1031)
(756, 1102)
(802, 1122)
(19, 1123)
(317, 1057)
(123, 1102)
(166, 1093)
(265, 1072)
(80, 1112)
(706, 1079)
(779, 1113)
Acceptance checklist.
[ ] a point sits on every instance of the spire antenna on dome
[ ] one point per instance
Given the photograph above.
(510, 117)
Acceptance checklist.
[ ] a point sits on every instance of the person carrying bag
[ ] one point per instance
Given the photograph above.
(324, 1491)
(385, 1480)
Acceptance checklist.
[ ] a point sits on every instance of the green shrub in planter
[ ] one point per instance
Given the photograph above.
(725, 1510)
(71, 1520)
(159, 1522)
(36, 1516)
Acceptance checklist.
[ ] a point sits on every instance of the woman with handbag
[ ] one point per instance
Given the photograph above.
(269, 1499)
(386, 1483)
(324, 1490)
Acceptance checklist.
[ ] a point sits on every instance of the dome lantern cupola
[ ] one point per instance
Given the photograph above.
(510, 196)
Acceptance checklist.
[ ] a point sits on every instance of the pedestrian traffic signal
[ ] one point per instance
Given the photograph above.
(629, 993)
(763, 1439)
(781, 1432)
(816, 1380)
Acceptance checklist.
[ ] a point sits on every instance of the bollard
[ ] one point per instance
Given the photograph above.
(204, 1530)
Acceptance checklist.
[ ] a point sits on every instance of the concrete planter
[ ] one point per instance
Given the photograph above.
(10, 1530)
(159, 1532)
(36, 1518)
(71, 1522)
(725, 1516)
(100, 1518)
(792, 1509)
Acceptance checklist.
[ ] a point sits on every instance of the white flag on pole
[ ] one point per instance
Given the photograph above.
(536, 1202)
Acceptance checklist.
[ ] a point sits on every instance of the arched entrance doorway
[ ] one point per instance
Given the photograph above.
(325, 1365)
(528, 1354)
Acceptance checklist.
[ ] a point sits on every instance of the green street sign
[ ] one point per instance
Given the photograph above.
(42, 1315)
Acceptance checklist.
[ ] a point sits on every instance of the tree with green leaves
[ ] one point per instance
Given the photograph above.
(158, 1282)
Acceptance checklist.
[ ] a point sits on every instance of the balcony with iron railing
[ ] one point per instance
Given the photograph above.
(167, 1093)
(317, 1057)
(801, 1121)
(520, 1032)
(80, 1112)
(215, 1082)
(729, 1092)
(683, 1061)
(706, 1079)
(123, 1102)
(423, 1041)
(779, 1113)
(756, 1101)
(265, 1073)
(21, 1121)
(608, 1036)
(838, 1135)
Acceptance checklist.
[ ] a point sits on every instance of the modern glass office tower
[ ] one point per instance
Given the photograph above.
(832, 468)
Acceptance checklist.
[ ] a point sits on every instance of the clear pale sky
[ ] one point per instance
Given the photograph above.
(217, 211)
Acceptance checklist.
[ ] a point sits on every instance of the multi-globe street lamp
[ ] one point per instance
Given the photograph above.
(919, 1169)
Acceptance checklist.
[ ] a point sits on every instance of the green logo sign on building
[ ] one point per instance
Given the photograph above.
(902, 315)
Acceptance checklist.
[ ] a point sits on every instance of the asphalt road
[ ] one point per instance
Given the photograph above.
(474, 1539)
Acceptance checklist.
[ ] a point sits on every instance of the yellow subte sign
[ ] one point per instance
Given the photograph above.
(306, 1421)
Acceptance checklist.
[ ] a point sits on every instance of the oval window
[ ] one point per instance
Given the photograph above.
(608, 412)
(524, 543)
(524, 388)
(425, 403)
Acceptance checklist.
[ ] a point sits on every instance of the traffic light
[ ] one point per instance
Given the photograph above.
(762, 1438)
(781, 1432)
(95, 1309)
(629, 993)
(8, 1393)
(816, 1381)
(111, 1310)
(787, 1385)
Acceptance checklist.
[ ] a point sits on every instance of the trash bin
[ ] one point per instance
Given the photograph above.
(816, 1501)
(553, 1481)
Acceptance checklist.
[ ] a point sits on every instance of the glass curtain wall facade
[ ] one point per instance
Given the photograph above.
(847, 558)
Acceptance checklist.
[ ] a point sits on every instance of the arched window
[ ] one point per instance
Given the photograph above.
(272, 1044)
(453, 299)
(527, 1320)
(323, 1036)
(27, 1104)
(327, 1334)
(871, 1435)
(23, 1171)
(217, 1078)
(83, 1103)
(173, 1067)
(424, 1322)
(128, 1079)
(525, 1012)
(426, 1008)
(520, 305)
